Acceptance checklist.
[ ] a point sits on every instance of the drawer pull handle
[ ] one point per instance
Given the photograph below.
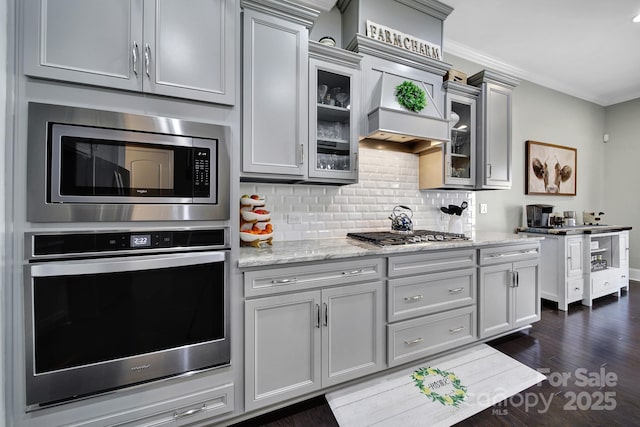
(577, 289)
(177, 415)
(284, 281)
(606, 283)
(346, 273)
(456, 330)
(503, 254)
(413, 298)
(412, 342)
(456, 290)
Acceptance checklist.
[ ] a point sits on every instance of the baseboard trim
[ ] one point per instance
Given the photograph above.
(634, 273)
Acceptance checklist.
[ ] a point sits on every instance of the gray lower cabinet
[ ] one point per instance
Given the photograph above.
(509, 292)
(153, 46)
(274, 93)
(431, 303)
(494, 149)
(300, 342)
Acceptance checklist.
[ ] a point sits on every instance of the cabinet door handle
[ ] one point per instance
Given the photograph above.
(413, 298)
(513, 279)
(490, 170)
(355, 161)
(456, 290)
(456, 330)
(349, 273)
(318, 316)
(326, 313)
(412, 342)
(284, 281)
(576, 289)
(302, 154)
(178, 415)
(134, 57)
(147, 59)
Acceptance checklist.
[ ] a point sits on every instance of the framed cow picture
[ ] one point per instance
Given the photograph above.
(550, 169)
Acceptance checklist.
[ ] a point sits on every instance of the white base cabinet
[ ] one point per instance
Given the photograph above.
(583, 267)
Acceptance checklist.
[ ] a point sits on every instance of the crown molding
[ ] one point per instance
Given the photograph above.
(465, 52)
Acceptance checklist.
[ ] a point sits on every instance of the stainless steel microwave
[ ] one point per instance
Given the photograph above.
(94, 165)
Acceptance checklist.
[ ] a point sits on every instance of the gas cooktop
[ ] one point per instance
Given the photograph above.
(387, 238)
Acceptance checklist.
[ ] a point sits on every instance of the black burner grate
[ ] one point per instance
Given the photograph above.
(386, 238)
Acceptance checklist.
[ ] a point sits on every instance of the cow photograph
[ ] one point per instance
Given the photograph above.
(551, 169)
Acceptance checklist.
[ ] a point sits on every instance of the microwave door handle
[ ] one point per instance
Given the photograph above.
(111, 265)
(117, 176)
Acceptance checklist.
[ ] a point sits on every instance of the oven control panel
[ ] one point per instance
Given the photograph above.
(47, 245)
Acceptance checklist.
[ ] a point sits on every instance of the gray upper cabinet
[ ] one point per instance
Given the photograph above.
(154, 46)
(275, 92)
(453, 163)
(494, 129)
(334, 105)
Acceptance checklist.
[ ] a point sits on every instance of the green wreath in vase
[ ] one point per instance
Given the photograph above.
(410, 96)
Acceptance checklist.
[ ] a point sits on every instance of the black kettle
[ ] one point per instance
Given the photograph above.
(401, 222)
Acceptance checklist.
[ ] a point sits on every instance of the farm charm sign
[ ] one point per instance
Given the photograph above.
(403, 41)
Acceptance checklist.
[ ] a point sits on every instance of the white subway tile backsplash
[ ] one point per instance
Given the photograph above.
(386, 179)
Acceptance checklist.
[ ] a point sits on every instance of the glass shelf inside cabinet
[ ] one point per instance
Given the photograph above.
(461, 141)
(333, 121)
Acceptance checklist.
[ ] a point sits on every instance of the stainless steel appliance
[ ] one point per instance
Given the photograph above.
(539, 215)
(107, 310)
(385, 238)
(94, 165)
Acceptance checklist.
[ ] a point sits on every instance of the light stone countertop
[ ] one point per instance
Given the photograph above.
(327, 249)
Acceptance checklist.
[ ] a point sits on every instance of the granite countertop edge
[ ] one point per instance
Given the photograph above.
(341, 248)
(582, 229)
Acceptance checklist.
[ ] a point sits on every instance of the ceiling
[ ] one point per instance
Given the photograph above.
(586, 48)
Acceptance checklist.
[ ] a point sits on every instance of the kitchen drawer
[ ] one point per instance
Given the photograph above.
(429, 262)
(575, 289)
(604, 282)
(415, 296)
(511, 253)
(187, 409)
(310, 276)
(418, 338)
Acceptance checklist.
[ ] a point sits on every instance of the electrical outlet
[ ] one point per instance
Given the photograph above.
(294, 218)
(483, 208)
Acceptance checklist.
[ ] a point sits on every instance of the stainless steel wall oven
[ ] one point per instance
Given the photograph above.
(107, 310)
(94, 165)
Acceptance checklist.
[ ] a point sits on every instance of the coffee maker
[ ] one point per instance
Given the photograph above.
(539, 215)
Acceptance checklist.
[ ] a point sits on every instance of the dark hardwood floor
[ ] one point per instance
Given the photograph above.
(588, 346)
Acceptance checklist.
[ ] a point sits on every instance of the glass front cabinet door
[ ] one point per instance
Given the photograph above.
(460, 152)
(333, 110)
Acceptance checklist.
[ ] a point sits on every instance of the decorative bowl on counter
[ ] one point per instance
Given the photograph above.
(255, 215)
(253, 200)
(255, 226)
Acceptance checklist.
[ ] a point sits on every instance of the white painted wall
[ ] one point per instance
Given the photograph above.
(620, 169)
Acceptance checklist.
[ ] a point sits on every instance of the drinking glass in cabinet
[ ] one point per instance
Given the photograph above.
(333, 161)
(322, 93)
(342, 100)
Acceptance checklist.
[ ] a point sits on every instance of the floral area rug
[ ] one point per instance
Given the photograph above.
(437, 392)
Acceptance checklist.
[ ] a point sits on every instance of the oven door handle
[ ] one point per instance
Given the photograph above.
(111, 265)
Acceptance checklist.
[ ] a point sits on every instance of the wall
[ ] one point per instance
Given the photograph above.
(621, 203)
(544, 115)
(387, 178)
(4, 275)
